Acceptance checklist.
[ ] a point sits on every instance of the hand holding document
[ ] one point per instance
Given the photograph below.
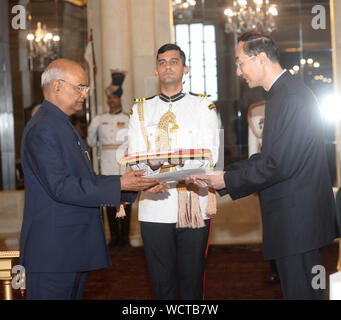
(164, 159)
(173, 161)
(159, 188)
(213, 180)
(133, 181)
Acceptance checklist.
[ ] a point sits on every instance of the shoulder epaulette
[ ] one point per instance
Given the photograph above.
(200, 95)
(143, 99)
(137, 100)
(212, 107)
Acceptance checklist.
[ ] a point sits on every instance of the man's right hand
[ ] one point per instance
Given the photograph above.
(133, 181)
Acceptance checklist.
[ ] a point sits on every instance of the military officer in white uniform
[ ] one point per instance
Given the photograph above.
(169, 121)
(111, 129)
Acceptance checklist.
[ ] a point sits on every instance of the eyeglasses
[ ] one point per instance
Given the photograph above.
(239, 65)
(80, 88)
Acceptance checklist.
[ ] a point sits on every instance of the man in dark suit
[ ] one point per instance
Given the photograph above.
(291, 172)
(62, 236)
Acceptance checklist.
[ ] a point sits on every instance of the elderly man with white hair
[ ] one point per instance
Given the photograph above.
(62, 237)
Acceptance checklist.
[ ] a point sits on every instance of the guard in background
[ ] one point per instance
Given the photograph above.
(111, 130)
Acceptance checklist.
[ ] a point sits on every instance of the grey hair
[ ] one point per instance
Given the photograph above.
(51, 74)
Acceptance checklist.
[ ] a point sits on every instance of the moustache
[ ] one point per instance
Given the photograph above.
(168, 73)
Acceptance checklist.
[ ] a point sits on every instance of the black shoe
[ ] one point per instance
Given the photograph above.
(124, 243)
(274, 278)
(113, 243)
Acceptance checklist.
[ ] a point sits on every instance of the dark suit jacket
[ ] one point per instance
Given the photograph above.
(291, 173)
(62, 229)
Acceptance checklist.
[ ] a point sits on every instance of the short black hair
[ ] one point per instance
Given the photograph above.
(256, 42)
(171, 46)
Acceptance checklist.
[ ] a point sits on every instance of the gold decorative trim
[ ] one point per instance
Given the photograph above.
(212, 107)
(205, 155)
(141, 118)
(162, 133)
(79, 3)
(161, 156)
(143, 99)
(9, 254)
(140, 99)
(202, 95)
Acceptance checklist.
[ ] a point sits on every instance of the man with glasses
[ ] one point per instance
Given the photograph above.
(62, 237)
(290, 173)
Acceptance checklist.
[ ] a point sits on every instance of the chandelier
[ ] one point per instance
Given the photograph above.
(183, 9)
(43, 44)
(304, 63)
(258, 15)
(309, 68)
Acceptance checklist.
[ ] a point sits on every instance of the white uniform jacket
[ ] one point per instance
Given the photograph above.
(112, 130)
(197, 122)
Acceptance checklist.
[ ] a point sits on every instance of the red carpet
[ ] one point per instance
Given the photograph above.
(232, 273)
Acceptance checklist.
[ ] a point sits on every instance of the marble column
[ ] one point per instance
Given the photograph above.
(130, 33)
(151, 28)
(116, 45)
